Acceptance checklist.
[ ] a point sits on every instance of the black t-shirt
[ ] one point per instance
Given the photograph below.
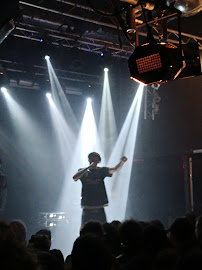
(93, 188)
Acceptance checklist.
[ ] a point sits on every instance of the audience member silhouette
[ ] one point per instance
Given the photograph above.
(132, 239)
(112, 239)
(47, 233)
(127, 245)
(20, 230)
(182, 232)
(15, 256)
(89, 252)
(94, 228)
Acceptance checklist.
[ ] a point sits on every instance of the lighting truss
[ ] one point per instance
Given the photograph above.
(40, 72)
(71, 10)
(151, 101)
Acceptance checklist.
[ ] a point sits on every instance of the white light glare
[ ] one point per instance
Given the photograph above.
(89, 100)
(106, 69)
(51, 215)
(181, 8)
(49, 96)
(4, 90)
(47, 57)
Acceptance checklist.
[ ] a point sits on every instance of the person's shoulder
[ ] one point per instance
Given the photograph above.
(104, 168)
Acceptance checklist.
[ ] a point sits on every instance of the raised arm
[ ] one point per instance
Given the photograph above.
(81, 172)
(118, 166)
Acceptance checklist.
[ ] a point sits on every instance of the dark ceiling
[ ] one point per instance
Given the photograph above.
(74, 35)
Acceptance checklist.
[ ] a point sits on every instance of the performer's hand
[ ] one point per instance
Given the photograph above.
(93, 164)
(124, 159)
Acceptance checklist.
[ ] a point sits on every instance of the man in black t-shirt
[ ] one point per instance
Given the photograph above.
(94, 196)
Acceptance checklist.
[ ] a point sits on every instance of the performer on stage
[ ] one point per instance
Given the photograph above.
(3, 190)
(94, 196)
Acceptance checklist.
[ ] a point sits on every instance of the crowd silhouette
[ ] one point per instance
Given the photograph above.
(126, 245)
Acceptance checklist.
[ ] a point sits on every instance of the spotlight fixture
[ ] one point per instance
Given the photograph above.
(106, 69)
(89, 100)
(47, 57)
(48, 95)
(3, 90)
(156, 63)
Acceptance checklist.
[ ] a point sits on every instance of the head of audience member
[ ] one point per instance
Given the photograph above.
(20, 230)
(47, 233)
(157, 223)
(131, 234)
(116, 224)
(13, 255)
(39, 242)
(155, 239)
(112, 239)
(89, 252)
(92, 227)
(6, 232)
(49, 261)
(181, 231)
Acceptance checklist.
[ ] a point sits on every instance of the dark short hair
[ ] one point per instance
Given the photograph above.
(45, 232)
(182, 229)
(94, 154)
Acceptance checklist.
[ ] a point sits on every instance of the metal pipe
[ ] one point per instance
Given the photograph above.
(45, 68)
(72, 39)
(68, 15)
(76, 5)
(159, 19)
(191, 185)
(184, 34)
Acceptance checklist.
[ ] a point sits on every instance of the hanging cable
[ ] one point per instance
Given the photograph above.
(150, 36)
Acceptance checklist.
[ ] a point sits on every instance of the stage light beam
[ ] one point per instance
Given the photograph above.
(107, 123)
(88, 141)
(60, 99)
(117, 188)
